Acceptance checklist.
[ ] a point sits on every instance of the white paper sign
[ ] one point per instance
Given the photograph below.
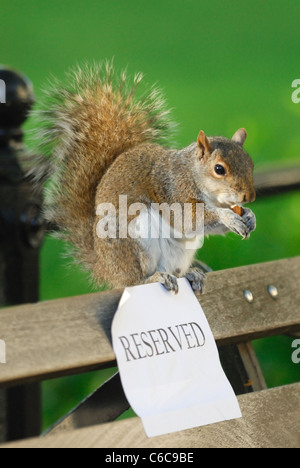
(168, 360)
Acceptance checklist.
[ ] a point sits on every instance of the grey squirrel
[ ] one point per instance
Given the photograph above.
(101, 138)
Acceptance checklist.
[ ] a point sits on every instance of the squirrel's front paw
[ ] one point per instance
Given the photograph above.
(234, 222)
(250, 220)
(197, 279)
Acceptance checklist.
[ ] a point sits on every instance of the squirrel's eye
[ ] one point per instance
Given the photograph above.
(220, 170)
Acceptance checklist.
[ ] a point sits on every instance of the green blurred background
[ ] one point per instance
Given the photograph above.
(222, 65)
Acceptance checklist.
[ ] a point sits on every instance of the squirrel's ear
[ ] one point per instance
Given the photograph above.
(203, 144)
(240, 136)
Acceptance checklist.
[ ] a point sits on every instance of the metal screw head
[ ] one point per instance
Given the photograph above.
(248, 296)
(273, 291)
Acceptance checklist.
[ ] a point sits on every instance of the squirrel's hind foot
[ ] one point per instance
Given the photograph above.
(195, 276)
(166, 279)
(197, 279)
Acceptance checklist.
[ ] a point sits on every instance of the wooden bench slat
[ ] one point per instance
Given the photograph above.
(270, 420)
(272, 182)
(71, 335)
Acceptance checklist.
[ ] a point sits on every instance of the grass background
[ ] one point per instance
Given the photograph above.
(222, 65)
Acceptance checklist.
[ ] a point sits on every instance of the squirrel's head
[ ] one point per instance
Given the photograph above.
(226, 174)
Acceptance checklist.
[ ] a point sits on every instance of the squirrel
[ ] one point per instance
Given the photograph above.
(101, 137)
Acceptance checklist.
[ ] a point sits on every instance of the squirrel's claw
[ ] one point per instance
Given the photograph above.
(234, 222)
(250, 220)
(169, 282)
(240, 225)
(166, 279)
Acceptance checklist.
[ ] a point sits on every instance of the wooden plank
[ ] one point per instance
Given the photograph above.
(256, 378)
(105, 404)
(234, 320)
(241, 368)
(58, 337)
(108, 402)
(270, 420)
(73, 335)
(3, 416)
(271, 182)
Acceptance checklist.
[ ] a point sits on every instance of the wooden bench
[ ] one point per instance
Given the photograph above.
(270, 419)
(72, 335)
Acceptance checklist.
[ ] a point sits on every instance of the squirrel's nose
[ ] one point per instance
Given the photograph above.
(253, 196)
(250, 196)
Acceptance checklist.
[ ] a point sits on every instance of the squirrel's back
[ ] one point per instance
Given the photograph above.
(82, 128)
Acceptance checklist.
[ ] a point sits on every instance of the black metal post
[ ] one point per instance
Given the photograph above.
(21, 235)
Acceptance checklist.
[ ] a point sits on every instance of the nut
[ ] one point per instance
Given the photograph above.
(238, 210)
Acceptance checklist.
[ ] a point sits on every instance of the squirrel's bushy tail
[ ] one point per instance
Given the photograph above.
(82, 128)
